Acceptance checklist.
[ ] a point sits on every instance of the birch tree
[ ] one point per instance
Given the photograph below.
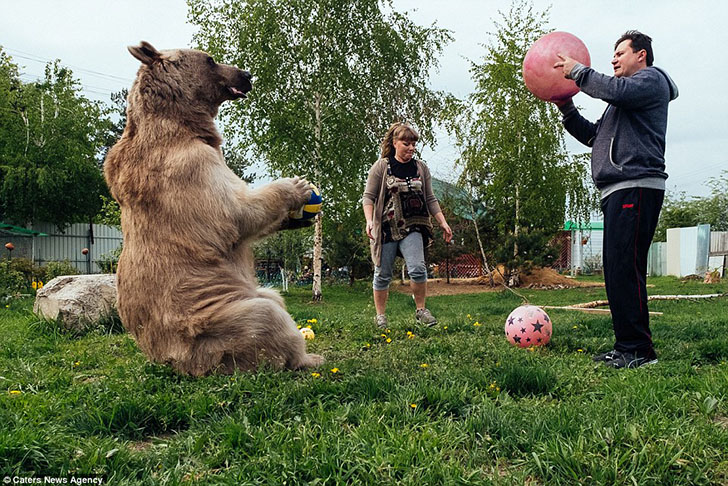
(512, 144)
(330, 77)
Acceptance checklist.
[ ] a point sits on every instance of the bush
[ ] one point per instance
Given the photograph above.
(30, 271)
(12, 282)
(108, 262)
(56, 269)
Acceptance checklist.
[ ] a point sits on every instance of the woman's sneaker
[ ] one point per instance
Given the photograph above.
(425, 317)
(381, 321)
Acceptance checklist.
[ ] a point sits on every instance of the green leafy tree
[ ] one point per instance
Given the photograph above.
(512, 144)
(331, 76)
(50, 144)
(679, 211)
(287, 248)
(348, 246)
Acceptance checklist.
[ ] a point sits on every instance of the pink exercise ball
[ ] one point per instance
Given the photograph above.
(528, 325)
(541, 78)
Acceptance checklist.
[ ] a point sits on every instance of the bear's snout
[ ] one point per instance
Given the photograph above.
(239, 83)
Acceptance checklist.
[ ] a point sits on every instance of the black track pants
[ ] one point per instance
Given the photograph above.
(630, 219)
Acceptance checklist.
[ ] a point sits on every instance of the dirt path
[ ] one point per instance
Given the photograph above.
(539, 278)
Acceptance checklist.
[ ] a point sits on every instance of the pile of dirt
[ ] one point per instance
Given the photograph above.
(548, 278)
(537, 278)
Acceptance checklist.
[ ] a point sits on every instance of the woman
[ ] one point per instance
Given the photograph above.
(398, 203)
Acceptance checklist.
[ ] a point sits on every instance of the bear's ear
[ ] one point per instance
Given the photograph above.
(145, 52)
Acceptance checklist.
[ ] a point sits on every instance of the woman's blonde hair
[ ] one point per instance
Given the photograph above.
(397, 131)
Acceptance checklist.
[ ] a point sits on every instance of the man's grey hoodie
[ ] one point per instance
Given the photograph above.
(628, 141)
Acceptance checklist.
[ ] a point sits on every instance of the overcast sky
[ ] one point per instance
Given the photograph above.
(689, 39)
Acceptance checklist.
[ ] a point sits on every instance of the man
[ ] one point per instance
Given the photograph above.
(628, 168)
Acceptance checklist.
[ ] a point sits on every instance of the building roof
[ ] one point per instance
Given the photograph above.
(18, 230)
(590, 226)
(459, 197)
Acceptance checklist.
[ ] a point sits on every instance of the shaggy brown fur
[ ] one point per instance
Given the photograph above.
(187, 289)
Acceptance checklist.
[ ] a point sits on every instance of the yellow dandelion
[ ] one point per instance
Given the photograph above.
(469, 316)
(15, 392)
(492, 385)
(413, 405)
(334, 370)
(368, 345)
(7, 306)
(389, 340)
(497, 388)
(299, 326)
(424, 365)
(387, 331)
(315, 375)
(445, 327)
(531, 348)
(314, 321)
(477, 324)
(575, 327)
(579, 350)
(76, 363)
(40, 284)
(34, 285)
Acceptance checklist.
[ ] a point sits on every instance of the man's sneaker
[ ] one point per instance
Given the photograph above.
(425, 317)
(381, 321)
(604, 357)
(631, 360)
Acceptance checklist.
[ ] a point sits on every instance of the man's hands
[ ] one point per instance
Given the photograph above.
(566, 64)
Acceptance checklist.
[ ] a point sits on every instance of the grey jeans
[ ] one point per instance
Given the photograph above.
(411, 248)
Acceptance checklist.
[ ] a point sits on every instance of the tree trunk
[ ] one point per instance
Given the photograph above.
(488, 271)
(317, 244)
(284, 279)
(318, 225)
(514, 277)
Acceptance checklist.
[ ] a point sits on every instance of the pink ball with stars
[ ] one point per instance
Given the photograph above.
(528, 325)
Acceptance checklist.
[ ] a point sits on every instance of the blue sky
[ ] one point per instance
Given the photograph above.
(689, 39)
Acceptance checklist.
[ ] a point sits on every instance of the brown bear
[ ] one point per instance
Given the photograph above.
(187, 289)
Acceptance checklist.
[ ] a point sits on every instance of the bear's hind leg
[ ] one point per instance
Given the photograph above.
(253, 330)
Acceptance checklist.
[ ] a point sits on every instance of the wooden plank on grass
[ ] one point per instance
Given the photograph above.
(587, 310)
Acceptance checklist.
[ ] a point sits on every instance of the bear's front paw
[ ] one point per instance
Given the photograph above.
(300, 192)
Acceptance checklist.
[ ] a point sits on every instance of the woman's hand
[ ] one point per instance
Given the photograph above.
(446, 232)
(370, 228)
(369, 218)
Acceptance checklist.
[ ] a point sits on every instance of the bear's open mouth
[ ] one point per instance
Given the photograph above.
(236, 92)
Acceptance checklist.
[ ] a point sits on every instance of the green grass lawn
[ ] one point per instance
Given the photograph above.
(455, 404)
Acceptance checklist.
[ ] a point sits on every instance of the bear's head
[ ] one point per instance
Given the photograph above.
(176, 80)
